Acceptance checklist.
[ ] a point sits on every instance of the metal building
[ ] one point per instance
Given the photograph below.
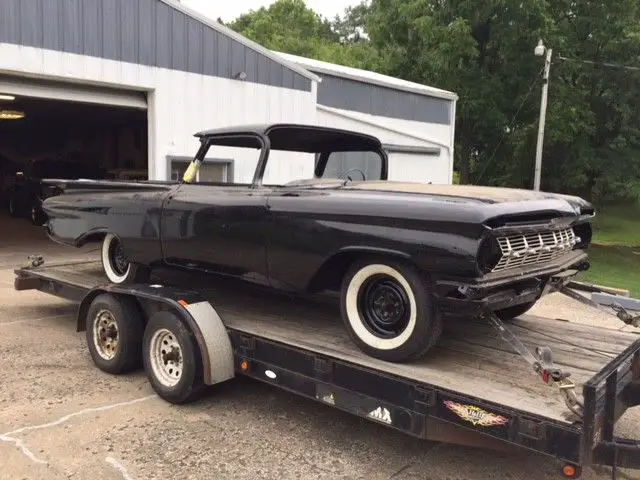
(415, 122)
(128, 83)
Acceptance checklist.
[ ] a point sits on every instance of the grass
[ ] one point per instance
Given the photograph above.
(618, 225)
(615, 266)
(615, 250)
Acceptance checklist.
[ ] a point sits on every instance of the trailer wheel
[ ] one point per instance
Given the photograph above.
(387, 310)
(171, 358)
(116, 266)
(114, 328)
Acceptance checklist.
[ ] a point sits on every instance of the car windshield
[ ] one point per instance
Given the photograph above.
(325, 161)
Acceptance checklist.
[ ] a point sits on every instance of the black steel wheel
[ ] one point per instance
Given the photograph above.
(387, 309)
(384, 306)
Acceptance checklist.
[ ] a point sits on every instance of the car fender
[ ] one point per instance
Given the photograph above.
(373, 250)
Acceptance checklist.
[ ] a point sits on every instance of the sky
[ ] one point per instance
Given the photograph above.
(228, 10)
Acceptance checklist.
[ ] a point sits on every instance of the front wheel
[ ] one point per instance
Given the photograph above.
(115, 264)
(511, 313)
(387, 310)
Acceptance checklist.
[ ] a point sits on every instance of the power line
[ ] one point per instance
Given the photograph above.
(602, 64)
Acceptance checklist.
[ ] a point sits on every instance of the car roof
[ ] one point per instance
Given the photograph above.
(292, 137)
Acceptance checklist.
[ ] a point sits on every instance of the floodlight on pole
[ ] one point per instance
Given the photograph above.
(540, 51)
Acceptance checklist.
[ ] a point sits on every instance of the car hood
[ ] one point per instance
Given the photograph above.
(470, 192)
(470, 204)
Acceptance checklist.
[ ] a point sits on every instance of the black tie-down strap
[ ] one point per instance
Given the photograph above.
(542, 364)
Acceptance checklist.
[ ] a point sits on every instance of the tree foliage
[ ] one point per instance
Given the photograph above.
(483, 51)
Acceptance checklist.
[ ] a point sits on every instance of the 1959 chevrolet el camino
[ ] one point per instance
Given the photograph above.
(403, 256)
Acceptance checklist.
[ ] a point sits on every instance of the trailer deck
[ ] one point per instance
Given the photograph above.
(473, 388)
(470, 359)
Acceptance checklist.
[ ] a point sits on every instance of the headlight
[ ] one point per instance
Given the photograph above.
(489, 254)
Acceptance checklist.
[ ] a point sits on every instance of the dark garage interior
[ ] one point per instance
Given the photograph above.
(65, 139)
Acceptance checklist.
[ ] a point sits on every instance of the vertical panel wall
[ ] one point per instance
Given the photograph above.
(144, 32)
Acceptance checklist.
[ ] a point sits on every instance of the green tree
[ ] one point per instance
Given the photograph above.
(484, 52)
(290, 26)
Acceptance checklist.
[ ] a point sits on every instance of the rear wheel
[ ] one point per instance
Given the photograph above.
(387, 310)
(171, 358)
(117, 266)
(114, 327)
(37, 216)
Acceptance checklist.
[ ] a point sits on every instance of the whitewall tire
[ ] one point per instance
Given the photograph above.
(116, 266)
(387, 310)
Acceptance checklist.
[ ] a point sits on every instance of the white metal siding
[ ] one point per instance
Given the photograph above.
(415, 167)
(179, 104)
(402, 166)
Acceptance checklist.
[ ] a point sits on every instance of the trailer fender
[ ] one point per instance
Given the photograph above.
(216, 351)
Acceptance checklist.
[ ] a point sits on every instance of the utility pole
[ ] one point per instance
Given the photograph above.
(539, 51)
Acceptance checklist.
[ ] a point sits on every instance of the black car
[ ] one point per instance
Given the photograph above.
(27, 192)
(401, 255)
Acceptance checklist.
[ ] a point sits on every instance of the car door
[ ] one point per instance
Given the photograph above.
(299, 239)
(216, 228)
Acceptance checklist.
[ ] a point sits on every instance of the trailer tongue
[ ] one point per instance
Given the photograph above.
(486, 384)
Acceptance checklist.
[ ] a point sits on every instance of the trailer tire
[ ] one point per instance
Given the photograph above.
(114, 328)
(172, 359)
(403, 329)
(117, 269)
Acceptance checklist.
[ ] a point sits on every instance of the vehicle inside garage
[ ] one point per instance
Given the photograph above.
(57, 138)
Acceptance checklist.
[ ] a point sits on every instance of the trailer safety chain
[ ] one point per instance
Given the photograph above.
(542, 364)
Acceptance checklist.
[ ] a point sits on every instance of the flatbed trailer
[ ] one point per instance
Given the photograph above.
(473, 388)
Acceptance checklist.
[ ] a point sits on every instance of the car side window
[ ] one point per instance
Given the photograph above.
(356, 164)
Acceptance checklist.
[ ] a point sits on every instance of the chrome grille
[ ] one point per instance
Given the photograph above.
(534, 249)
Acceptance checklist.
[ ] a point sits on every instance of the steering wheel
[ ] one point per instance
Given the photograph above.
(364, 177)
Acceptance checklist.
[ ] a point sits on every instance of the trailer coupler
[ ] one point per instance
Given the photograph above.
(542, 364)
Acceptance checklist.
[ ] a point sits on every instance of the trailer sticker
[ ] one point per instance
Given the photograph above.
(381, 414)
(476, 415)
(330, 399)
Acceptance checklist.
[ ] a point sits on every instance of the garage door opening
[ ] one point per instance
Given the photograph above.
(55, 138)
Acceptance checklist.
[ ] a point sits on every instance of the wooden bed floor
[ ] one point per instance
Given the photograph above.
(470, 357)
